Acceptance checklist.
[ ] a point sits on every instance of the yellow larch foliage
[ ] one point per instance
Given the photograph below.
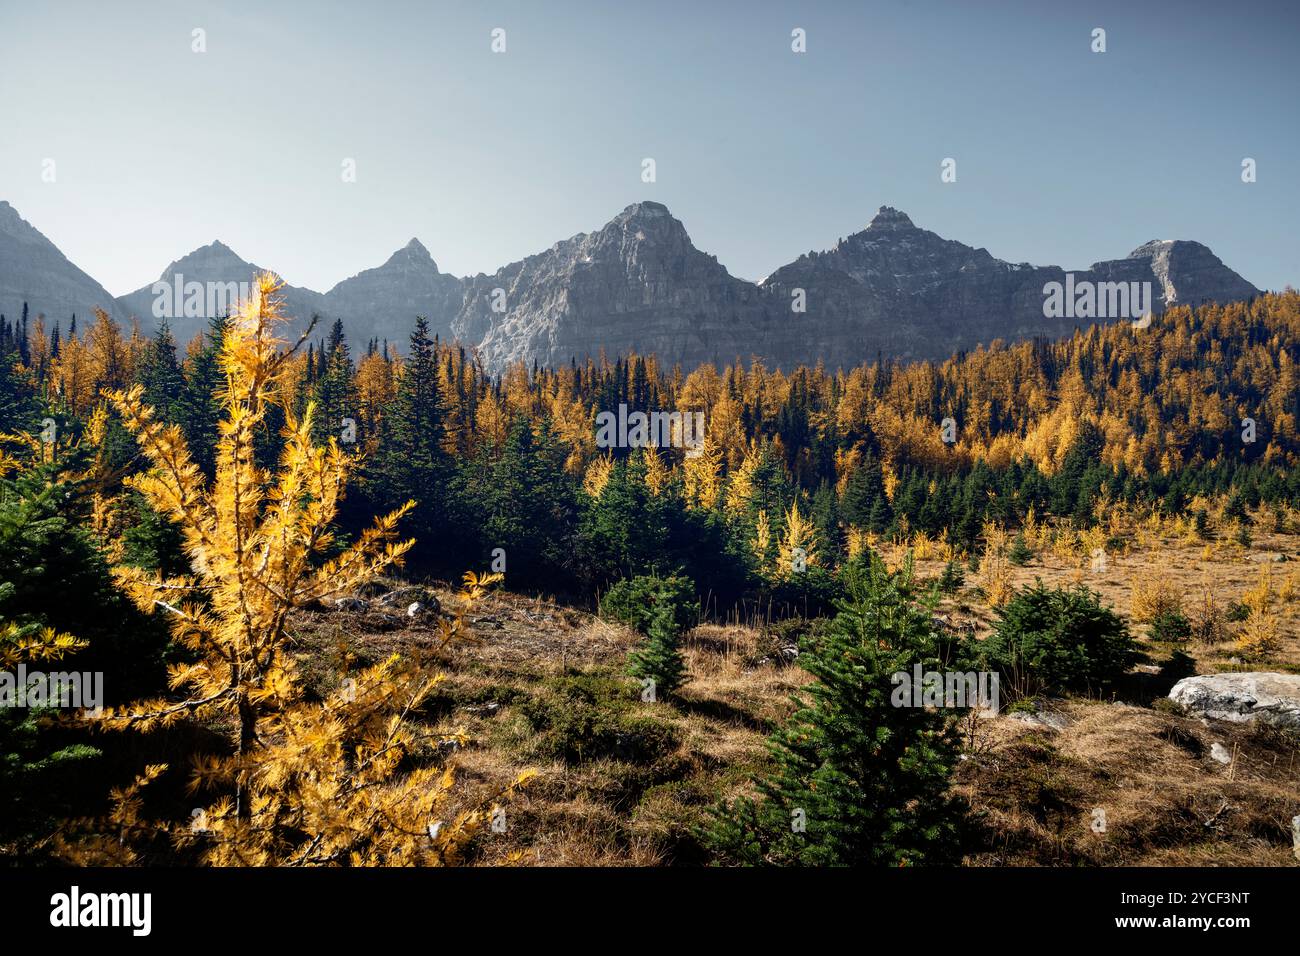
(762, 539)
(657, 473)
(995, 578)
(1207, 618)
(572, 423)
(702, 476)
(922, 546)
(798, 545)
(109, 362)
(1258, 638)
(1260, 597)
(740, 489)
(1259, 635)
(1154, 595)
(376, 389)
(846, 463)
(307, 783)
(492, 421)
(890, 478)
(857, 540)
(597, 476)
(726, 429)
(24, 644)
(1290, 587)
(73, 377)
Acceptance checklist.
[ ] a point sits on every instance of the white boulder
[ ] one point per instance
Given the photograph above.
(1259, 695)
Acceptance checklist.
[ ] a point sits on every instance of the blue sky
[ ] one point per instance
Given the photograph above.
(1064, 156)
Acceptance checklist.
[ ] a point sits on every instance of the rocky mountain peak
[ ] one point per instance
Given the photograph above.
(645, 210)
(1187, 273)
(215, 255)
(14, 225)
(412, 255)
(887, 217)
(643, 221)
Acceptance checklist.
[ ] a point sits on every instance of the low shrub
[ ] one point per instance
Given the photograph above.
(1059, 640)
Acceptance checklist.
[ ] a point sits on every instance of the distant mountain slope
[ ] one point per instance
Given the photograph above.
(385, 300)
(33, 270)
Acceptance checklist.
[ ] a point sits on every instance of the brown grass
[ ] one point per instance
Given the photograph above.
(1166, 801)
(1031, 789)
(1177, 566)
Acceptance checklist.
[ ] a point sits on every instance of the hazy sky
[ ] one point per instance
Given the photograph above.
(1064, 156)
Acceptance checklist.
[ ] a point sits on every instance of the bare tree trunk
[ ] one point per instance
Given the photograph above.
(247, 737)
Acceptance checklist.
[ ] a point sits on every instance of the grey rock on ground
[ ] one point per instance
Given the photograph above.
(1259, 695)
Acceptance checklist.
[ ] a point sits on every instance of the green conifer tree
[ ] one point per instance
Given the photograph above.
(199, 410)
(856, 780)
(160, 374)
(659, 656)
(1020, 554)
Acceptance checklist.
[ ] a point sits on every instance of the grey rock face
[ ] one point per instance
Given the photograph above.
(891, 290)
(1261, 695)
(33, 270)
(1188, 273)
(384, 301)
(916, 295)
(638, 284)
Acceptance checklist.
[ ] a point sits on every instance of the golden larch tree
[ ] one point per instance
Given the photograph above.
(306, 783)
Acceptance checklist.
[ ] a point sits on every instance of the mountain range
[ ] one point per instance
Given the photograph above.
(638, 284)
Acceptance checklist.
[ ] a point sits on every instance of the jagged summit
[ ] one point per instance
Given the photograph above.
(887, 217)
(214, 262)
(646, 208)
(644, 221)
(391, 295)
(413, 253)
(1157, 246)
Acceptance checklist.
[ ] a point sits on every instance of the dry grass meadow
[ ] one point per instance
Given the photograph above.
(625, 782)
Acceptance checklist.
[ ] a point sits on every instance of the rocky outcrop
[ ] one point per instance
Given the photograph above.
(34, 271)
(1186, 273)
(1272, 698)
